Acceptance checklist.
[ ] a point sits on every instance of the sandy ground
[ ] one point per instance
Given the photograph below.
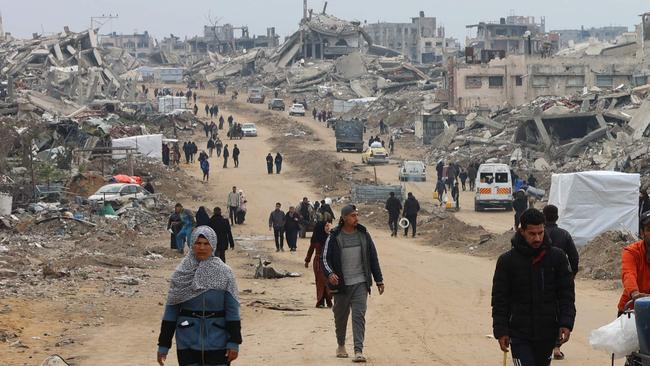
(436, 309)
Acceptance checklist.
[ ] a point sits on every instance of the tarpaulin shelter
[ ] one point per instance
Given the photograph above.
(593, 202)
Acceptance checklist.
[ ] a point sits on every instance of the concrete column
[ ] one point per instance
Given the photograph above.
(542, 131)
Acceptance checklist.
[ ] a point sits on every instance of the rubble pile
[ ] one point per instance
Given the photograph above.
(592, 130)
(69, 242)
(600, 259)
(61, 73)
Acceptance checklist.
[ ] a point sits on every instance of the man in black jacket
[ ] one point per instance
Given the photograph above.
(393, 206)
(350, 263)
(235, 155)
(533, 295)
(520, 204)
(411, 209)
(560, 238)
(221, 227)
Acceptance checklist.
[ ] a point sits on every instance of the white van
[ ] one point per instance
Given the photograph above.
(493, 187)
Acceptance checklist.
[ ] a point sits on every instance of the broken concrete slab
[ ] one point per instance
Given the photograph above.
(592, 136)
(641, 120)
(351, 66)
(445, 138)
(487, 122)
(541, 165)
(361, 89)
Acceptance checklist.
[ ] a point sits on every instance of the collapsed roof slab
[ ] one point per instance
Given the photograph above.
(561, 128)
(592, 136)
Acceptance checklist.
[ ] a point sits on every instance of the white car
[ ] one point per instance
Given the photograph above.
(249, 129)
(118, 194)
(297, 110)
(412, 170)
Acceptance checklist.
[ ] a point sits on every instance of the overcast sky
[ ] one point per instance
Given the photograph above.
(186, 18)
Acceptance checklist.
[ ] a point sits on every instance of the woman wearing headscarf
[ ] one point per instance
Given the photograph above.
(202, 308)
(321, 232)
(202, 217)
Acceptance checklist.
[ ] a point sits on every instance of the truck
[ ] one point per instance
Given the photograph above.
(349, 135)
(255, 95)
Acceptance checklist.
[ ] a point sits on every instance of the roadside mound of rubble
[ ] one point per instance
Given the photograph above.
(442, 229)
(600, 259)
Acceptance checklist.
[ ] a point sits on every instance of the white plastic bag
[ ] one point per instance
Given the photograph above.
(618, 337)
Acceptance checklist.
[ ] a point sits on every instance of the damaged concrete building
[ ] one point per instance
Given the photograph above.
(321, 36)
(223, 39)
(137, 44)
(603, 34)
(420, 40)
(519, 79)
(513, 35)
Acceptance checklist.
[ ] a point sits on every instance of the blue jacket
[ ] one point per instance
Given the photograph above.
(331, 259)
(207, 324)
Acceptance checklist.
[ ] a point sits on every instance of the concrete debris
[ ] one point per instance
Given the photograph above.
(641, 120)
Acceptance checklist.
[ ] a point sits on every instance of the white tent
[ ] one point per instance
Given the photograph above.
(590, 203)
(147, 145)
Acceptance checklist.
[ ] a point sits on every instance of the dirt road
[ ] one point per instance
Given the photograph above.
(436, 309)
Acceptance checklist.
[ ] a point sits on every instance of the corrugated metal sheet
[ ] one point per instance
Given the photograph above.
(375, 193)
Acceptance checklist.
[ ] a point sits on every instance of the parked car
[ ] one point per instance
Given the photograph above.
(493, 187)
(256, 95)
(297, 110)
(249, 129)
(375, 154)
(276, 105)
(411, 170)
(118, 194)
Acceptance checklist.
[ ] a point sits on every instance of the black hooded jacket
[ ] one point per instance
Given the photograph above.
(411, 207)
(561, 238)
(533, 293)
(393, 206)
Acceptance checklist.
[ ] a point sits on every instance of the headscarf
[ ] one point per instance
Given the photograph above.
(193, 277)
(202, 218)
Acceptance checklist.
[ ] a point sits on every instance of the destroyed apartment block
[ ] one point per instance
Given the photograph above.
(568, 132)
(320, 36)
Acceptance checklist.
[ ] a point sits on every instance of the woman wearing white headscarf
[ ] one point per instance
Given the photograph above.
(202, 308)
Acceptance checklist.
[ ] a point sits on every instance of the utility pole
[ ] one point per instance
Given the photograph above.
(2, 29)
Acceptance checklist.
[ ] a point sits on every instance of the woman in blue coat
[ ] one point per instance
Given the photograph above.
(202, 308)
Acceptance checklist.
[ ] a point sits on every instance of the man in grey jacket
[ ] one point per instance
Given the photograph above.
(277, 219)
(234, 200)
(350, 263)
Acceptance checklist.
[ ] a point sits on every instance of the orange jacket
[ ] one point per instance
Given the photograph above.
(635, 272)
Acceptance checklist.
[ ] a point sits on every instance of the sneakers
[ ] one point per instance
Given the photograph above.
(341, 352)
(359, 358)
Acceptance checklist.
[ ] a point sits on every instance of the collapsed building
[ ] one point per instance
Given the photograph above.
(420, 40)
(511, 35)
